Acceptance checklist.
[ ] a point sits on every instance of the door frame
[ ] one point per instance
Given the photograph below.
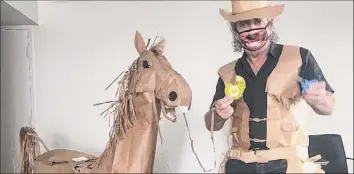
(30, 54)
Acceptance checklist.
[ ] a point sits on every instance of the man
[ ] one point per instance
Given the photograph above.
(267, 137)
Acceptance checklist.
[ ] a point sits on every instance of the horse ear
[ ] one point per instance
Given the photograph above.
(160, 47)
(139, 43)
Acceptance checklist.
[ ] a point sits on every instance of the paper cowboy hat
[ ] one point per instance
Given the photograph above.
(245, 10)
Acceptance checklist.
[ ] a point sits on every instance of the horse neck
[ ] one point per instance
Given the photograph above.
(108, 157)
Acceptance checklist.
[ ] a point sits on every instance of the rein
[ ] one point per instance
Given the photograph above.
(168, 77)
(193, 150)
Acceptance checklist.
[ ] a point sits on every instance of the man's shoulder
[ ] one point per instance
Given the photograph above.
(302, 48)
(289, 46)
(305, 53)
(232, 64)
(226, 68)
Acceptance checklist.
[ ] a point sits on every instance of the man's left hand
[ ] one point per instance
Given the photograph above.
(316, 93)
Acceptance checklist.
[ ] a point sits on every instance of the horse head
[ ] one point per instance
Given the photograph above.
(157, 76)
(148, 88)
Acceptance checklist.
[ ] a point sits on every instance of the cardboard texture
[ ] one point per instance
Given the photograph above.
(286, 138)
(245, 10)
(148, 86)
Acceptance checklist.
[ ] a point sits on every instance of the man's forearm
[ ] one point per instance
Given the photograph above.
(325, 107)
(218, 121)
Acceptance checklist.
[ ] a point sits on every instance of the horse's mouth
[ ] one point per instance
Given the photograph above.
(171, 112)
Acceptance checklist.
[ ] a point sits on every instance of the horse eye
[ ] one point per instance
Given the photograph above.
(172, 96)
(146, 64)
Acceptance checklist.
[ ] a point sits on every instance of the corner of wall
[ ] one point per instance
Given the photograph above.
(27, 8)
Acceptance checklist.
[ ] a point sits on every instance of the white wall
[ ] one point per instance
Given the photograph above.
(81, 46)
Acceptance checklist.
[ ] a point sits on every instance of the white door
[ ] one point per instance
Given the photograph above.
(15, 95)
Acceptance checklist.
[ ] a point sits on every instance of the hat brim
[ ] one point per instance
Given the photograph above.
(266, 12)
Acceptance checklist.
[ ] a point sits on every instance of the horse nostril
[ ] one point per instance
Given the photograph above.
(172, 95)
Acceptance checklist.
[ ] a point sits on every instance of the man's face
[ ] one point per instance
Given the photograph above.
(254, 33)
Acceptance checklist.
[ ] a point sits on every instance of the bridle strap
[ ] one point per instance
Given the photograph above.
(193, 150)
(158, 128)
(170, 75)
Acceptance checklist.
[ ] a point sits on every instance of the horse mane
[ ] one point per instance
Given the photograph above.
(122, 111)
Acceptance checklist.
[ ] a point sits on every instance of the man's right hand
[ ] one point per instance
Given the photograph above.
(223, 107)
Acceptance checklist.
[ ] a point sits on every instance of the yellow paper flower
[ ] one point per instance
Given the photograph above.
(236, 90)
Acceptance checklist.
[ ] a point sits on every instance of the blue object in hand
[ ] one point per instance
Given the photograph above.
(305, 84)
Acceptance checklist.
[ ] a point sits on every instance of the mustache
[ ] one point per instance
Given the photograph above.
(254, 36)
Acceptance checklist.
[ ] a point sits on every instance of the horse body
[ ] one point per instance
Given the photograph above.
(136, 153)
(147, 88)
